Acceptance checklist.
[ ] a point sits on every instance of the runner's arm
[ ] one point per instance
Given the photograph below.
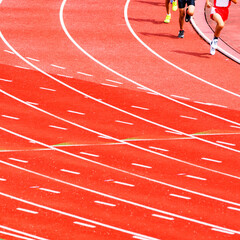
(209, 4)
(234, 1)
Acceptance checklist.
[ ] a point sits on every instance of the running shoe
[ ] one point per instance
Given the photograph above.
(181, 34)
(187, 17)
(174, 6)
(213, 46)
(168, 18)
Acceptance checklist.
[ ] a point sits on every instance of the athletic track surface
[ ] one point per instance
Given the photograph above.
(112, 127)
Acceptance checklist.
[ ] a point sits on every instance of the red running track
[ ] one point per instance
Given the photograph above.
(112, 128)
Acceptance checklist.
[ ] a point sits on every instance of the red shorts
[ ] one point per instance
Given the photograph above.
(222, 11)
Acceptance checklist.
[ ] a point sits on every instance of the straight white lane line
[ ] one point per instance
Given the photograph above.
(3, 179)
(27, 211)
(210, 104)
(177, 133)
(33, 59)
(85, 224)
(86, 74)
(140, 165)
(105, 203)
(7, 51)
(125, 184)
(233, 208)
(11, 117)
(56, 66)
(180, 97)
(235, 126)
(18, 160)
(142, 108)
(179, 196)
(160, 149)
(222, 231)
(48, 89)
(192, 118)
(211, 160)
(68, 171)
(89, 154)
(5, 80)
(79, 113)
(198, 178)
(128, 123)
(61, 128)
(163, 217)
(226, 143)
(15, 235)
(49, 190)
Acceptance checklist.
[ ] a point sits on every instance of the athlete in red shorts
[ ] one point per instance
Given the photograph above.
(219, 13)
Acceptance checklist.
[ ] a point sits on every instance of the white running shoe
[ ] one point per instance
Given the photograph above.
(213, 46)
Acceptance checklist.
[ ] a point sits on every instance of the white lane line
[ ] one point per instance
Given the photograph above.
(140, 165)
(86, 74)
(22, 233)
(125, 184)
(48, 89)
(105, 137)
(144, 238)
(235, 126)
(36, 104)
(233, 208)
(143, 88)
(164, 217)
(33, 59)
(68, 171)
(128, 123)
(15, 235)
(222, 231)
(89, 154)
(105, 203)
(211, 104)
(85, 224)
(198, 178)
(56, 66)
(177, 133)
(61, 128)
(179, 196)
(49, 190)
(109, 85)
(192, 118)
(113, 81)
(142, 108)
(27, 211)
(11, 117)
(211, 160)
(5, 80)
(22, 67)
(7, 51)
(226, 143)
(3, 179)
(153, 93)
(18, 160)
(160, 149)
(66, 76)
(185, 98)
(76, 112)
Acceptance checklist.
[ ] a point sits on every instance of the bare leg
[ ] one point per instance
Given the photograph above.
(181, 17)
(167, 5)
(220, 24)
(191, 9)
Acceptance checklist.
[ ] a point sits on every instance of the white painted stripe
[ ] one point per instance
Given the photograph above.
(211, 104)
(226, 143)
(6, 116)
(26, 210)
(125, 184)
(109, 80)
(68, 171)
(3, 179)
(142, 88)
(89, 154)
(199, 178)
(49, 190)
(188, 117)
(140, 165)
(32, 103)
(105, 137)
(5, 80)
(235, 126)
(84, 224)
(109, 85)
(15, 235)
(160, 149)
(33, 59)
(235, 209)
(142, 108)
(144, 238)
(118, 121)
(56, 66)
(22, 233)
(153, 93)
(48, 89)
(164, 217)
(185, 98)
(107, 204)
(62, 75)
(178, 133)
(18, 160)
(62, 128)
(179, 196)
(76, 112)
(222, 231)
(86, 74)
(7, 51)
(211, 160)
(21, 67)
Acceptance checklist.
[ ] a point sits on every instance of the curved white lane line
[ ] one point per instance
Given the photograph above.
(118, 229)
(107, 166)
(165, 60)
(118, 140)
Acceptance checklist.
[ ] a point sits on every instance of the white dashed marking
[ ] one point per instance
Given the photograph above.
(222, 231)
(235, 209)
(164, 217)
(84, 224)
(113, 81)
(226, 143)
(56, 66)
(125, 184)
(22, 67)
(76, 112)
(118, 121)
(153, 93)
(7, 51)
(179, 196)
(61, 75)
(52, 126)
(160, 149)
(192, 118)
(68, 171)
(142, 108)
(86, 74)
(167, 131)
(109, 85)
(33, 59)
(235, 126)
(10, 117)
(49, 190)
(5, 80)
(175, 96)
(198, 178)
(89, 154)
(211, 160)
(48, 89)
(32, 103)
(107, 204)
(26, 210)
(140, 165)
(18, 160)
(3, 179)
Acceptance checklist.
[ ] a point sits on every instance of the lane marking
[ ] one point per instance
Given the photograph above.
(142, 108)
(140, 165)
(61, 128)
(32, 103)
(233, 208)
(185, 98)
(76, 112)
(105, 203)
(33, 59)
(18, 160)
(222, 231)
(15, 236)
(22, 67)
(128, 123)
(164, 217)
(5, 80)
(235, 126)
(49, 190)
(179, 196)
(62, 75)
(7, 51)
(153, 93)
(226, 143)
(85, 224)
(211, 160)
(68, 171)
(10, 117)
(192, 118)
(48, 89)
(3, 179)
(144, 238)
(109, 85)
(89, 154)
(125, 184)
(199, 178)
(27, 211)
(56, 66)
(86, 74)
(211, 104)
(113, 81)
(178, 133)
(160, 149)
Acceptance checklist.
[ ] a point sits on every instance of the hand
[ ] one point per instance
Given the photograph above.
(209, 4)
